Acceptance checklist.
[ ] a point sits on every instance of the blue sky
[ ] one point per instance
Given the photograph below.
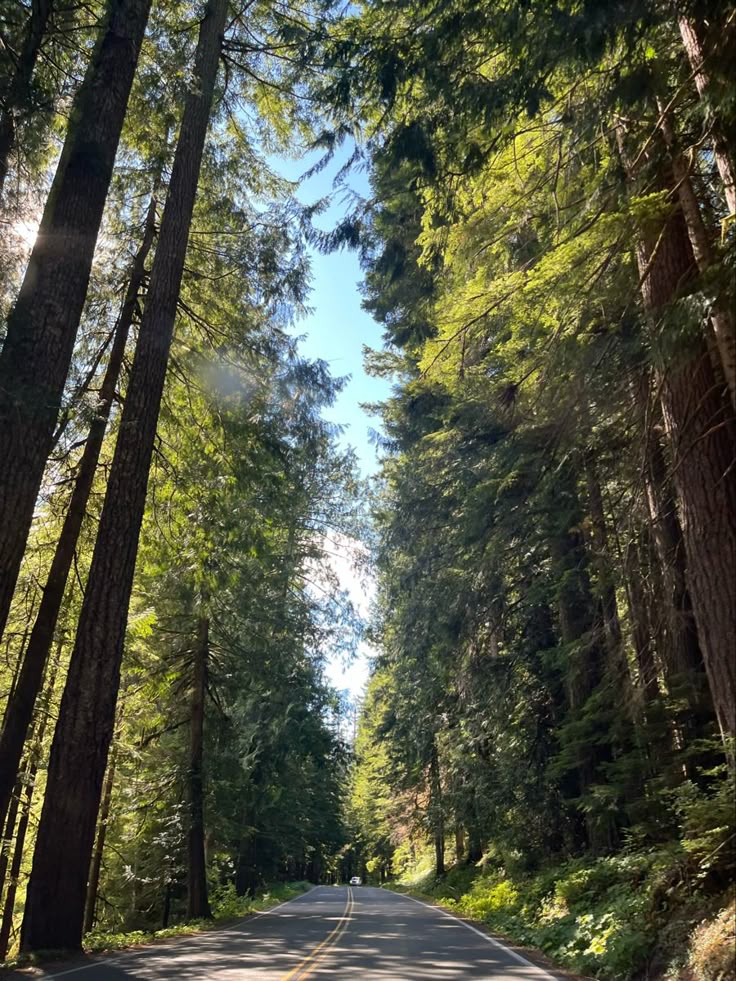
(338, 328)
(336, 332)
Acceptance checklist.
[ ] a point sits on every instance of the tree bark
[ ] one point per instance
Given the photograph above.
(197, 900)
(694, 47)
(43, 324)
(29, 786)
(17, 93)
(617, 664)
(20, 840)
(680, 650)
(475, 847)
(721, 315)
(437, 817)
(9, 830)
(93, 884)
(56, 891)
(20, 706)
(642, 630)
(701, 432)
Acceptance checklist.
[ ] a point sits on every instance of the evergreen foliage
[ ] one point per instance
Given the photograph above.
(546, 742)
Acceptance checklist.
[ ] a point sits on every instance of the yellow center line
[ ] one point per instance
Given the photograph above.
(306, 966)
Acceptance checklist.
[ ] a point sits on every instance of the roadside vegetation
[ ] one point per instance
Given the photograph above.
(552, 708)
(544, 207)
(629, 916)
(227, 908)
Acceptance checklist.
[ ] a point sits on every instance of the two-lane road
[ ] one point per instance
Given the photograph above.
(328, 932)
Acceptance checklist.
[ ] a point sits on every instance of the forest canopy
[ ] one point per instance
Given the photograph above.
(548, 736)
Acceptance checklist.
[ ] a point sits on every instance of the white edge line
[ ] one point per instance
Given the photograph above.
(484, 936)
(153, 945)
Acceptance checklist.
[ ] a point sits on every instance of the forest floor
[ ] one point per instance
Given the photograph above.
(612, 919)
(227, 909)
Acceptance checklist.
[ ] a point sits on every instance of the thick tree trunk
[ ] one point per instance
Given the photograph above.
(197, 901)
(43, 324)
(672, 620)
(679, 649)
(20, 706)
(701, 432)
(475, 847)
(690, 32)
(93, 885)
(56, 892)
(17, 94)
(721, 314)
(705, 477)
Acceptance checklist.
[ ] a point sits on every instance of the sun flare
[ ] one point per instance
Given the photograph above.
(26, 232)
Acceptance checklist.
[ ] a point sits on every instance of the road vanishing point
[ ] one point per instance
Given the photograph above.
(330, 931)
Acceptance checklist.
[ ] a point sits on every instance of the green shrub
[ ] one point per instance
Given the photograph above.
(226, 904)
(486, 898)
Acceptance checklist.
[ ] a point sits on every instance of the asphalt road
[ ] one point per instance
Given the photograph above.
(328, 932)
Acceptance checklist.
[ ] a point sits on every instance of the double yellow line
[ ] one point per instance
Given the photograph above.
(305, 968)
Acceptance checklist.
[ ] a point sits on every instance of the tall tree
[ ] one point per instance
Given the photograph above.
(43, 323)
(56, 891)
(20, 706)
(197, 901)
(15, 95)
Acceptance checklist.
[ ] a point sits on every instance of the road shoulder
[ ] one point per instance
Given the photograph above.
(530, 954)
(77, 961)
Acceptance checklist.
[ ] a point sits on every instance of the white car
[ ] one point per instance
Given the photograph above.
(356, 881)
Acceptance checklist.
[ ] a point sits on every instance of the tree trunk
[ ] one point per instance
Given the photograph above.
(9, 830)
(617, 663)
(20, 840)
(437, 817)
(197, 901)
(17, 93)
(20, 706)
(701, 432)
(475, 847)
(580, 631)
(29, 786)
(641, 627)
(95, 868)
(459, 842)
(56, 892)
(18, 662)
(166, 912)
(43, 324)
(680, 649)
(690, 33)
(721, 315)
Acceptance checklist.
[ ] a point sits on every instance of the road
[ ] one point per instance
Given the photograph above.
(333, 932)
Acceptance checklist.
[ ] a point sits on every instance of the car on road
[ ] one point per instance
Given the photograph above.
(356, 881)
